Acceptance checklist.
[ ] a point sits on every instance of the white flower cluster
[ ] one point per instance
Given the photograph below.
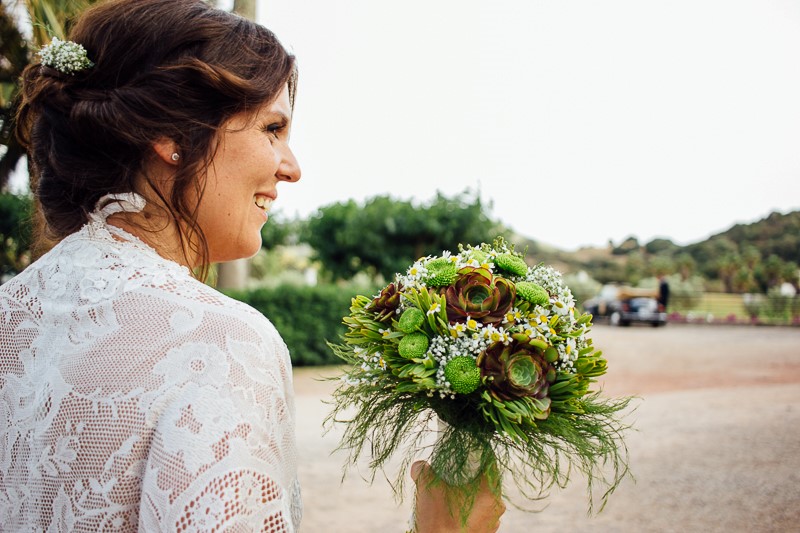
(551, 280)
(372, 364)
(65, 56)
(415, 275)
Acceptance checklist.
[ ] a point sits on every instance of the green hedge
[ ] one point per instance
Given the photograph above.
(306, 317)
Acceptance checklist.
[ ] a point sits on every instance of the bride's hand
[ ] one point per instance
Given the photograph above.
(434, 516)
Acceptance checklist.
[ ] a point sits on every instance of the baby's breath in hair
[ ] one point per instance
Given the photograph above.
(65, 56)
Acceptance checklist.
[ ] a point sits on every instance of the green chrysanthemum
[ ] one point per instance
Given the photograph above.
(463, 374)
(532, 293)
(479, 256)
(441, 272)
(512, 264)
(411, 319)
(413, 345)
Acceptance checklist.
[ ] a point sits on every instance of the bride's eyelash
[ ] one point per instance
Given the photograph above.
(275, 128)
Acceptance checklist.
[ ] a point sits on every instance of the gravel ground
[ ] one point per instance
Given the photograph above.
(716, 445)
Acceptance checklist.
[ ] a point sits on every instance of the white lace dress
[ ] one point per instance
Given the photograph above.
(135, 398)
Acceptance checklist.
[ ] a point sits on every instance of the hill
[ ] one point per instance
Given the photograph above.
(745, 257)
(777, 234)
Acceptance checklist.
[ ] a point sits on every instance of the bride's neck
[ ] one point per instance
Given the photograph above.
(155, 227)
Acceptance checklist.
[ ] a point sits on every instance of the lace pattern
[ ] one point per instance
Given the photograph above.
(135, 398)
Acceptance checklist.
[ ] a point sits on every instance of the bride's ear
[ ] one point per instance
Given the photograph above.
(167, 151)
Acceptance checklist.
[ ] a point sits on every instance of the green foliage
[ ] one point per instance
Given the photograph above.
(777, 234)
(582, 286)
(747, 258)
(48, 18)
(385, 235)
(306, 317)
(281, 231)
(772, 308)
(605, 270)
(661, 246)
(14, 55)
(15, 232)
(737, 256)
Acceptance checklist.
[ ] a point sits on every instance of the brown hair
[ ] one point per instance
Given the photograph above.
(175, 69)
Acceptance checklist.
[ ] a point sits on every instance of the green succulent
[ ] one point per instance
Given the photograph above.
(513, 264)
(479, 295)
(386, 303)
(515, 371)
(411, 320)
(463, 374)
(413, 345)
(533, 293)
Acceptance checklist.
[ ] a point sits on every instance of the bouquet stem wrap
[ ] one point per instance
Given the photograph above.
(495, 350)
(458, 469)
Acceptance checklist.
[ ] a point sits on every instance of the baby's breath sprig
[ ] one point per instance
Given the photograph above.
(65, 56)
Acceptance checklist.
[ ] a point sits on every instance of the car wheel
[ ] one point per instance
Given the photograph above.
(615, 318)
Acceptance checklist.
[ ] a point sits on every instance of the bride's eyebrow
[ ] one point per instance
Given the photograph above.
(283, 118)
(277, 115)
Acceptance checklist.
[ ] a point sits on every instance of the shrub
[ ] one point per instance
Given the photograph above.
(307, 317)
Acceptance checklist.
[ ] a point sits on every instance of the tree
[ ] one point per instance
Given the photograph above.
(660, 246)
(631, 244)
(384, 235)
(48, 19)
(634, 267)
(15, 233)
(13, 58)
(726, 268)
(245, 8)
(280, 231)
(686, 265)
(661, 265)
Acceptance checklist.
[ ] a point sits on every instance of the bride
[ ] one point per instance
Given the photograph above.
(134, 396)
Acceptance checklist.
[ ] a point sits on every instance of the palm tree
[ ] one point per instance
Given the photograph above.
(47, 19)
(13, 58)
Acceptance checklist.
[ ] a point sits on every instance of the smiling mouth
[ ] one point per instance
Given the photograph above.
(263, 202)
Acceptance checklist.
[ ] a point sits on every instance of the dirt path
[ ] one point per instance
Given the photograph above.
(716, 446)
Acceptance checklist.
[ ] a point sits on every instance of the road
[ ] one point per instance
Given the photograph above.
(716, 445)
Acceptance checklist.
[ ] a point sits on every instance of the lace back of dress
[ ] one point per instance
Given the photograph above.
(135, 398)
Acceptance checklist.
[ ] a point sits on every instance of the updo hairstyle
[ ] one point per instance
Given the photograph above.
(175, 69)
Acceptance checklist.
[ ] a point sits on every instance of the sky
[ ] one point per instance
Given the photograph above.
(578, 121)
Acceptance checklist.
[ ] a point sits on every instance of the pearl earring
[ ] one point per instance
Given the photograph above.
(175, 156)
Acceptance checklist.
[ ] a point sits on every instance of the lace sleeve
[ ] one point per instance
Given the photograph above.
(200, 486)
(222, 454)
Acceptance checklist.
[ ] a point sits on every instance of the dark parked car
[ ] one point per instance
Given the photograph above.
(623, 306)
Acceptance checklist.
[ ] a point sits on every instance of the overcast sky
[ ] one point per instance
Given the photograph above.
(581, 121)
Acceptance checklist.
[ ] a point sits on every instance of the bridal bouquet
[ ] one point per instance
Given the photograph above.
(496, 351)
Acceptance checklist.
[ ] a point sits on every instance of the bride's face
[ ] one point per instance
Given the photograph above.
(252, 158)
